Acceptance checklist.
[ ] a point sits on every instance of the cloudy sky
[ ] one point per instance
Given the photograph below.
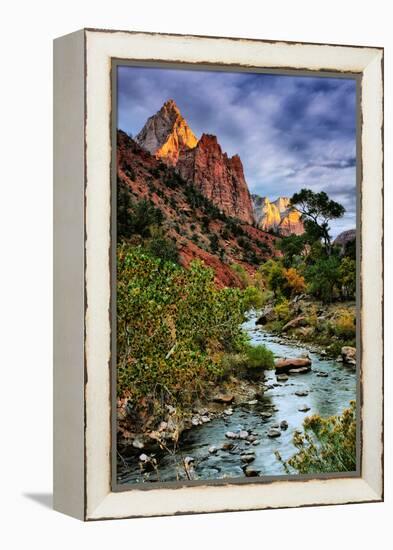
(290, 131)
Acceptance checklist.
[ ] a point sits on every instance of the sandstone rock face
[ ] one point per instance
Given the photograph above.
(166, 133)
(291, 224)
(219, 177)
(277, 216)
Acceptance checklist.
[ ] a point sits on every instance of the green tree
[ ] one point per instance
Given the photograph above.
(323, 278)
(317, 211)
(291, 246)
(347, 277)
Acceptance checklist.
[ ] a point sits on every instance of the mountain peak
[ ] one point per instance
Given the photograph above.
(170, 105)
(166, 134)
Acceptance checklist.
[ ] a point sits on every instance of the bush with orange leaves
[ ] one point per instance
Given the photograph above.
(294, 282)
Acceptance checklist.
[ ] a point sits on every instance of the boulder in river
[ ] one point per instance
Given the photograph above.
(250, 472)
(300, 370)
(267, 316)
(213, 449)
(304, 408)
(301, 393)
(323, 374)
(247, 457)
(348, 354)
(232, 435)
(266, 415)
(284, 425)
(286, 364)
(282, 377)
(273, 432)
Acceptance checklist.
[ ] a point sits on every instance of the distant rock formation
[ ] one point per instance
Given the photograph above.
(345, 237)
(277, 216)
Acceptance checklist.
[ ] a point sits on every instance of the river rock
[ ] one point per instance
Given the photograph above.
(138, 443)
(224, 398)
(273, 432)
(348, 354)
(294, 323)
(227, 446)
(275, 426)
(300, 370)
(286, 364)
(266, 415)
(282, 377)
(251, 438)
(243, 434)
(301, 393)
(170, 409)
(232, 435)
(250, 472)
(322, 374)
(256, 442)
(304, 408)
(189, 460)
(195, 420)
(228, 411)
(247, 457)
(267, 316)
(252, 402)
(284, 425)
(143, 458)
(213, 450)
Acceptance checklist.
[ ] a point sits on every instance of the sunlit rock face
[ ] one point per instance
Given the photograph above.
(291, 223)
(277, 216)
(219, 177)
(166, 134)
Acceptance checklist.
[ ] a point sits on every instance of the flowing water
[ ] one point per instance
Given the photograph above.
(327, 395)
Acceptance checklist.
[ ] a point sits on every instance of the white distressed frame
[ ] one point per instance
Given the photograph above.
(99, 501)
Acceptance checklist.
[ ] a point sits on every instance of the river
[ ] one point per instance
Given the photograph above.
(328, 394)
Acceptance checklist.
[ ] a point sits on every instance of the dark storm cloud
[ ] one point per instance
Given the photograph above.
(290, 132)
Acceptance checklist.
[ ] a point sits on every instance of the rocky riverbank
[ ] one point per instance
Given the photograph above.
(326, 328)
(237, 428)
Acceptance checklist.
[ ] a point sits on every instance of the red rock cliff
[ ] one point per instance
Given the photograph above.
(219, 177)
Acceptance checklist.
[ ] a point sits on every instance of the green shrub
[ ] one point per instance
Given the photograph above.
(259, 357)
(345, 325)
(283, 311)
(172, 326)
(326, 445)
(254, 297)
(163, 248)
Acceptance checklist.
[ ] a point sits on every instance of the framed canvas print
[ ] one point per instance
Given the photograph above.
(218, 274)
